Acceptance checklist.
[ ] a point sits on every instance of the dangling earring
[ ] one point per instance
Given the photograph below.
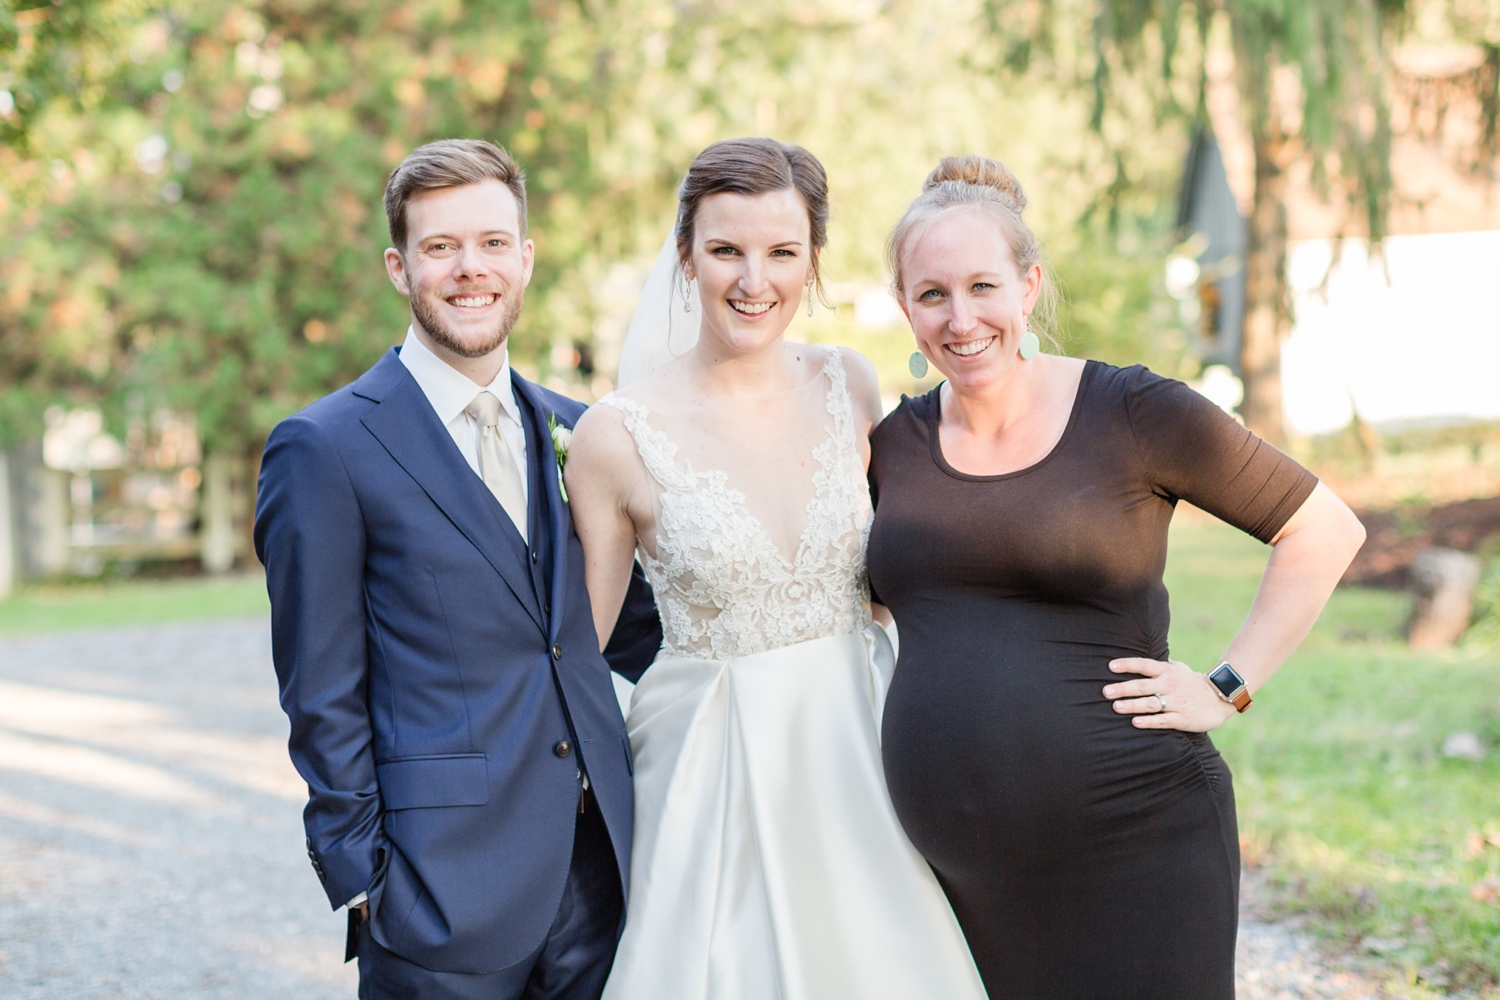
(1030, 345)
(687, 294)
(809, 298)
(917, 364)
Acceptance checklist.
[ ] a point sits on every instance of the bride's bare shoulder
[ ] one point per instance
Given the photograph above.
(600, 438)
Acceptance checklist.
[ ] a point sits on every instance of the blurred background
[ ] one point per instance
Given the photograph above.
(1293, 207)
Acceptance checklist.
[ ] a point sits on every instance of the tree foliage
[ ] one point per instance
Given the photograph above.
(1312, 74)
(192, 187)
(1312, 82)
(227, 270)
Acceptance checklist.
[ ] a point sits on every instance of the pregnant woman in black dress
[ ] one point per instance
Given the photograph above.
(1043, 753)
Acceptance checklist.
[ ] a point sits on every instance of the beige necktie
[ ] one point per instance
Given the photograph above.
(497, 467)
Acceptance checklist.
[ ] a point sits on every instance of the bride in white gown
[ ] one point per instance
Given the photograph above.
(768, 862)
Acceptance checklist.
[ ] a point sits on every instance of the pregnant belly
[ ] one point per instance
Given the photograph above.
(1012, 753)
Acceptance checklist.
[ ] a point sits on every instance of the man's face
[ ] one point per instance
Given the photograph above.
(465, 266)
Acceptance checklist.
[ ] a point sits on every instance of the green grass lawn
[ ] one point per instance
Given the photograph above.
(1345, 798)
(132, 602)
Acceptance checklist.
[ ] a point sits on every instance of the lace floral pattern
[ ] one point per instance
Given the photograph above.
(723, 587)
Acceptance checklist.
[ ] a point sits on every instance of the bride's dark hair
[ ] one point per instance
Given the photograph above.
(755, 166)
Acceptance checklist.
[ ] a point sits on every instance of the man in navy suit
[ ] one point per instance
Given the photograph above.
(468, 770)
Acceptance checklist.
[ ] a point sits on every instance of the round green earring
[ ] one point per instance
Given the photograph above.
(1030, 345)
(917, 364)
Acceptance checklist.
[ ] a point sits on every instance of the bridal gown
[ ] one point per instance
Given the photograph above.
(768, 860)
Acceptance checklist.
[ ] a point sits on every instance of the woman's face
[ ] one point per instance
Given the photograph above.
(965, 298)
(752, 256)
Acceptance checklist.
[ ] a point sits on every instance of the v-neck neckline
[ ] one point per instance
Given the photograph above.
(737, 496)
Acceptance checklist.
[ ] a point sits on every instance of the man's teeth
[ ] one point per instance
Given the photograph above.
(472, 301)
(971, 348)
(751, 308)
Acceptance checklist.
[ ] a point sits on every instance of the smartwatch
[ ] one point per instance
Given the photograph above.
(1230, 685)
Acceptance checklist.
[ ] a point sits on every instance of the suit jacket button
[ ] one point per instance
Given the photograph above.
(557, 651)
(563, 748)
(533, 557)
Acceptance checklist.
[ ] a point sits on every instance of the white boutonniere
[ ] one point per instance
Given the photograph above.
(561, 436)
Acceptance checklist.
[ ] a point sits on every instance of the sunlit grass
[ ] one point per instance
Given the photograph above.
(132, 602)
(1361, 822)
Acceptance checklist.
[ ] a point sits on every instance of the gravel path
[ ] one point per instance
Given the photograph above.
(151, 834)
(150, 823)
(1274, 962)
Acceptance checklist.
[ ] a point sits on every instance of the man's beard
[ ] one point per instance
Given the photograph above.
(428, 314)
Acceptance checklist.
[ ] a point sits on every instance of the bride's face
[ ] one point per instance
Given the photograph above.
(966, 299)
(752, 256)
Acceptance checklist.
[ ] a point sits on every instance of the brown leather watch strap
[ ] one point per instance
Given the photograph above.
(1242, 700)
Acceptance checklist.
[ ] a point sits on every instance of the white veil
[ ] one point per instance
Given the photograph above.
(660, 330)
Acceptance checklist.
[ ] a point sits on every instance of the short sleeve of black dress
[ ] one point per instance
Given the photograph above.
(1084, 857)
(1194, 451)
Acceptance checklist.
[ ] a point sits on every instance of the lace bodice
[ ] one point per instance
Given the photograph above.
(723, 586)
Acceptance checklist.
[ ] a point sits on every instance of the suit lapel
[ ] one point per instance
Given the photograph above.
(406, 426)
(555, 513)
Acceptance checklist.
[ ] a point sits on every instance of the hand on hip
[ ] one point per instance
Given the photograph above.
(1169, 695)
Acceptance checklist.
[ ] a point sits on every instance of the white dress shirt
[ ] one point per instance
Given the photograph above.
(450, 392)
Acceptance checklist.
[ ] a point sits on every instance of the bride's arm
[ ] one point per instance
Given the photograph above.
(601, 478)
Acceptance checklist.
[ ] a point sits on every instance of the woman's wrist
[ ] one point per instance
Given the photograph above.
(1224, 705)
(1229, 684)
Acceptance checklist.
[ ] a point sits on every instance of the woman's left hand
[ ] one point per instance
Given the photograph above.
(1171, 695)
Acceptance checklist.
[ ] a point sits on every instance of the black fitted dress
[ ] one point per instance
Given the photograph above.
(1086, 859)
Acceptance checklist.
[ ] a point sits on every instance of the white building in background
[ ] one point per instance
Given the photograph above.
(1410, 340)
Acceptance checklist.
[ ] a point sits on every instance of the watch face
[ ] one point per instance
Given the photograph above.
(1226, 679)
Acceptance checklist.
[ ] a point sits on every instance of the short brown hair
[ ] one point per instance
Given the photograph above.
(449, 163)
(755, 166)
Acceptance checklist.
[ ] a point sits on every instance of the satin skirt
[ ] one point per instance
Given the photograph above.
(768, 861)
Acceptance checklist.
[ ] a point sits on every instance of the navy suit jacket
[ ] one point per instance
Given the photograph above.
(433, 666)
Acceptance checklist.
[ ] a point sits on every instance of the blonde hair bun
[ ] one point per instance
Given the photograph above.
(980, 171)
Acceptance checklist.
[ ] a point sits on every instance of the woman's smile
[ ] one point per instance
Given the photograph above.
(970, 348)
(751, 310)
